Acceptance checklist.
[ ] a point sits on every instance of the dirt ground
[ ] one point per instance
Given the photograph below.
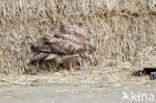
(76, 93)
(47, 89)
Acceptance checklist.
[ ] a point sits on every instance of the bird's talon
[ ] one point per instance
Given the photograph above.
(71, 69)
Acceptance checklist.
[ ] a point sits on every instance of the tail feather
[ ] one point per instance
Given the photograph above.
(39, 57)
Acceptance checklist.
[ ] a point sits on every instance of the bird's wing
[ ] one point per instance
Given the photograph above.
(44, 48)
(67, 40)
(77, 31)
(66, 45)
(80, 34)
(61, 44)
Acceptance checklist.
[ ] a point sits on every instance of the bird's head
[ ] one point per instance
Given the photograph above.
(92, 49)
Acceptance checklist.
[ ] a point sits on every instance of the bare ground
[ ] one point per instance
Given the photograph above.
(75, 93)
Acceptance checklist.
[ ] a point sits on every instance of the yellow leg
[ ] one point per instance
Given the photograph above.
(71, 69)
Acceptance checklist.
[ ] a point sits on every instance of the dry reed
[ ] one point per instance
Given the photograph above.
(124, 30)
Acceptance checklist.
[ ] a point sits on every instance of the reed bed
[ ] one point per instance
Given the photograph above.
(124, 31)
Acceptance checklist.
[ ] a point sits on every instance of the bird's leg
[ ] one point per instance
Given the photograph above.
(66, 65)
(71, 69)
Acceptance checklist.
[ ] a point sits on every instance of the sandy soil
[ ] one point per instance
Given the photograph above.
(68, 93)
(106, 92)
(76, 87)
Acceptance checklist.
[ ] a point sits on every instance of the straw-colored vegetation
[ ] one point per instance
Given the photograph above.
(124, 30)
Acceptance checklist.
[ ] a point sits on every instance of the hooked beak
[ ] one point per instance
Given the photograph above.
(94, 53)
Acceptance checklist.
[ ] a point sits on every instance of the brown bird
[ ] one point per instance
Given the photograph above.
(63, 44)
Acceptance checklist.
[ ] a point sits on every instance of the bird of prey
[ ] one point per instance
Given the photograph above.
(63, 43)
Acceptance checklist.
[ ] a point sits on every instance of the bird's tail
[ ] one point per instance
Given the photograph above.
(39, 57)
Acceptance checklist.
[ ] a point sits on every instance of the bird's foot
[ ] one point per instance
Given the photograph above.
(71, 69)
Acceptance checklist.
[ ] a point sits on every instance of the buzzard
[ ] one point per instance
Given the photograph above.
(63, 44)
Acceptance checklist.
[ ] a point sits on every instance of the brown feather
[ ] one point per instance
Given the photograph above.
(44, 48)
(39, 57)
(64, 41)
(77, 31)
(65, 44)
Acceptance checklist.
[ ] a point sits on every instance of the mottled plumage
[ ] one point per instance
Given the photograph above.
(63, 44)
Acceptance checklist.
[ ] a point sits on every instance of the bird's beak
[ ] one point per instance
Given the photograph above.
(93, 53)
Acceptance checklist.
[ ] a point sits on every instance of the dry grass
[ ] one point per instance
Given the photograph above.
(125, 31)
